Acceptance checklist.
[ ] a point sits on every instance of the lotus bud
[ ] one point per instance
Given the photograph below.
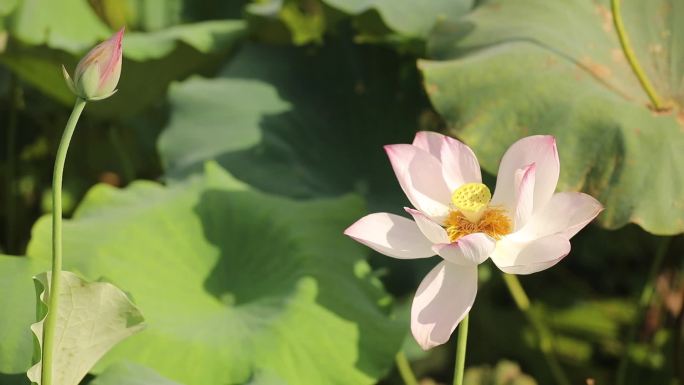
(97, 74)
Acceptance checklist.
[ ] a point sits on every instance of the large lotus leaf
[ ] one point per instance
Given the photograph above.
(407, 17)
(512, 69)
(152, 61)
(153, 15)
(232, 282)
(91, 319)
(18, 297)
(297, 122)
(7, 6)
(68, 25)
(283, 21)
(125, 373)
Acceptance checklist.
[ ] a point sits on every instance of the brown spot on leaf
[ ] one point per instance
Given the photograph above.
(680, 119)
(606, 17)
(617, 55)
(597, 69)
(656, 48)
(550, 61)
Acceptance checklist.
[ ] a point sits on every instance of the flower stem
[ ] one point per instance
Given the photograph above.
(631, 57)
(459, 370)
(53, 304)
(644, 301)
(545, 339)
(405, 369)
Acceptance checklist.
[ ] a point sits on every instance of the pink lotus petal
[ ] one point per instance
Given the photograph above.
(459, 164)
(540, 150)
(471, 249)
(432, 230)
(525, 181)
(420, 176)
(527, 257)
(112, 67)
(392, 235)
(443, 299)
(566, 213)
(429, 141)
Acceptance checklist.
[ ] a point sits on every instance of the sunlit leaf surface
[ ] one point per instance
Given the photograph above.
(92, 318)
(512, 69)
(231, 281)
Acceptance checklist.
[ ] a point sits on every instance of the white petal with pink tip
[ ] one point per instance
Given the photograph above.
(527, 257)
(391, 235)
(443, 299)
(540, 150)
(459, 164)
(420, 176)
(566, 213)
(429, 141)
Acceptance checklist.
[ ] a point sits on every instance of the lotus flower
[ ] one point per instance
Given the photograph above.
(98, 72)
(525, 227)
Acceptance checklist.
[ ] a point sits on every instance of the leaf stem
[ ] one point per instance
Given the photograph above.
(53, 304)
(459, 370)
(644, 301)
(631, 57)
(545, 339)
(405, 369)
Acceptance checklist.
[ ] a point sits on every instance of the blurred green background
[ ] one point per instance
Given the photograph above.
(247, 135)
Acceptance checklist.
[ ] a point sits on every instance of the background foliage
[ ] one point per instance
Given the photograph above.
(246, 135)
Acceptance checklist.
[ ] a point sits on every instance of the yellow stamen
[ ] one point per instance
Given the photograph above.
(494, 222)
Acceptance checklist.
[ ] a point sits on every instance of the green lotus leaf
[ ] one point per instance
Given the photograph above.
(126, 373)
(295, 122)
(205, 37)
(6, 7)
(53, 23)
(16, 339)
(405, 18)
(151, 59)
(297, 21)
(232, 282)
(92, 318)
(512, 69)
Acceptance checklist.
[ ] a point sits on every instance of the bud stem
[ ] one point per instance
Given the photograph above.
(51, 318)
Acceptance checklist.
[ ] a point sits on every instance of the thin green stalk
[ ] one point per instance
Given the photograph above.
(631, 57)
(53, 304)
(545, 338)
(644, 301)
(461, 344)
(405, 369)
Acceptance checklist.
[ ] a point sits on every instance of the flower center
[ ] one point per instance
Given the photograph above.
(473, 214)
